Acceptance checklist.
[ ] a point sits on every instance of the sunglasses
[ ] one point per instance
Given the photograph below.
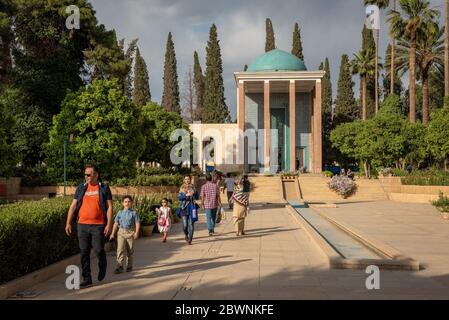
(87, 175)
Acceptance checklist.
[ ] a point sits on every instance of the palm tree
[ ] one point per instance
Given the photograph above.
(415, 17)
(392, 69)
(363, 64)
(429, 57)
(446, 49)
(381, 4)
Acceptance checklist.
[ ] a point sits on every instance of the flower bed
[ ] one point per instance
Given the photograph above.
(343, 185)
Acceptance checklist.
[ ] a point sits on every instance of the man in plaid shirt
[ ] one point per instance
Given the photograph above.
(210, 199)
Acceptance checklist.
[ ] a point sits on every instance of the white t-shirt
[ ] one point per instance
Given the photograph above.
(230, 184)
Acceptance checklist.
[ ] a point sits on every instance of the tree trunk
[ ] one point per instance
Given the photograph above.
(366, 167)
(446, 161)
(425, 96)
(446, 50)
(363, 97)
(376, 86)
(393, 44)
(412, 63)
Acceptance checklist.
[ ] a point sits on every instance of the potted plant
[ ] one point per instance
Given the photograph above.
(442, 204)
(147, 221)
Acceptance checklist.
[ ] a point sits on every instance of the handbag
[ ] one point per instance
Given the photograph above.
(162, 222)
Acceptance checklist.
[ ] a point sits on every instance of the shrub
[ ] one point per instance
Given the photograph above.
(149, 181)
(343, 185)
(145, 206)
(328, 174)
(32, 236)
(399, 172)
(442, 203)
(427, 178)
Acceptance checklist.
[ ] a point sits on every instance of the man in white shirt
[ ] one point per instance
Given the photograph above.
(229, 186)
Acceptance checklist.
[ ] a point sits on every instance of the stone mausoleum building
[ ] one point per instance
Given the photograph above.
(275, 92)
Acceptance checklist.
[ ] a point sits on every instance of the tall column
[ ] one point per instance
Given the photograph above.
(267, 122)
(317, 128)
(292, 125)
(241, 120)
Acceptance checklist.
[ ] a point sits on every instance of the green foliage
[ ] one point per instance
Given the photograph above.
(329, 153)
(270, 43)
(198, 79)
(438, 133)
(32, 236)
(149, 181)
(144, 206)
(345, 108)
(427, 178)
(297, 43)
(158, 125)
(328, 174)
(442, 203)
(170, 96)
(141, 92)
(106, 132)
(8, 156)
(215, 108)
(368, 43)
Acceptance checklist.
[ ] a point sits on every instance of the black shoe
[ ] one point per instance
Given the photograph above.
(101, 274)
(211, 234)
(87, 283)
(118, 270)
(129, 269)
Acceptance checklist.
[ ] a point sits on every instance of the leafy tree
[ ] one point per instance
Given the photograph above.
(215, 108)
(414, 18)
(8, 157)
(198, 79)
(141, 91)
(438, 133)
(270, 43)
(158, 125)
(7, 8)
(30, 129)
(170, 96)
(297, 43)
(103, 122)
(345, 105)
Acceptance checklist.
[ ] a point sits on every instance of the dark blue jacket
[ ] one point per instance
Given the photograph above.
(104, 194)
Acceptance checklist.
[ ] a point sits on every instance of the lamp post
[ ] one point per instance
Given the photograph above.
(65, 163)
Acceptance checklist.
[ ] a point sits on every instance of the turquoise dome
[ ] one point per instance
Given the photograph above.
(277, 60)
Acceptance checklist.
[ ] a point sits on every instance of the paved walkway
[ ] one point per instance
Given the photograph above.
(275, 260)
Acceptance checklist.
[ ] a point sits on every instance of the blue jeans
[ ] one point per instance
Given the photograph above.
(211, 217)
(188, 226)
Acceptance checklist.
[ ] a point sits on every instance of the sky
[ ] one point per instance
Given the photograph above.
(329, 28)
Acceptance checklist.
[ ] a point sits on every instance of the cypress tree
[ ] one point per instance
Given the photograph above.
(387, 77)
(297, 43)
(368, 43)
(170, 97)
(245, 68)
(345, 104)
(215, 109)
(141, 91)
(198, 79)
(328, 126)
(270, 43)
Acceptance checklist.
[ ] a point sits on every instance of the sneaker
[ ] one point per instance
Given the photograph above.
(87, 283)
(211, 234)
(129, 269)
(101, 274)
(118, 270)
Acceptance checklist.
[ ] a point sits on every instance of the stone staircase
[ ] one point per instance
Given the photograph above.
(266, 189)
(314, 188)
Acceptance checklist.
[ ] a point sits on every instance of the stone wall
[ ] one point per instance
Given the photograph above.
(9, 187)
(415, 194)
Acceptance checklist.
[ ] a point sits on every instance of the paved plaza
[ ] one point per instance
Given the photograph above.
(277, 260)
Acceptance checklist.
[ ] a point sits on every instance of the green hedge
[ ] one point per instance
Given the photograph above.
(32, 236)
(427, 178)
(150, 181)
